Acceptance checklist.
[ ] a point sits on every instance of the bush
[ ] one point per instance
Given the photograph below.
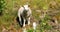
(2, 5)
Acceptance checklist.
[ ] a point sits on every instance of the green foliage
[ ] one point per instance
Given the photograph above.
(44, 25)
(30, 30)
(2, 5)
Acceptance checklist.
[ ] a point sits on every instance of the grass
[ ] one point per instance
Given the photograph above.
(11, 8)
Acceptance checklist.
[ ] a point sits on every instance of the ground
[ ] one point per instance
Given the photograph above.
(8, 21)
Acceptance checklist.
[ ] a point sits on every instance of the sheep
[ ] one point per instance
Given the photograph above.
(24, 14)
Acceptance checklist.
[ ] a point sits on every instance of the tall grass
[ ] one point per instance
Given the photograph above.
(10, 8)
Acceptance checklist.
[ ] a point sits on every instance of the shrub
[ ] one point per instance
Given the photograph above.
(2, 5)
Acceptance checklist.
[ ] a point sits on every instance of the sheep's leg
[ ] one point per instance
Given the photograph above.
(24, 23)
(20, 20)
(28, 20)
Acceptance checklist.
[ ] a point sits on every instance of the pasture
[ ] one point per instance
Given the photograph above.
(8, 21)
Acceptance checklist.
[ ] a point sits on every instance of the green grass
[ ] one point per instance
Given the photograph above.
(11, 8)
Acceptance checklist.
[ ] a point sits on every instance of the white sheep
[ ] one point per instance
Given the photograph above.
(24, 13)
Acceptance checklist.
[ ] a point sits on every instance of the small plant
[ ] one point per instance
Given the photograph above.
(30, 30)
(44, 25)
(2, 2)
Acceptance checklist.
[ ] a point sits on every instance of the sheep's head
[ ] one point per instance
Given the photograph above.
(26, 7)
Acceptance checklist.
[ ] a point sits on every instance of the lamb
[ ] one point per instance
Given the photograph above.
(24, 14)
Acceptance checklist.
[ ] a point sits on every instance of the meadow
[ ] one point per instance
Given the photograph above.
(10, 9)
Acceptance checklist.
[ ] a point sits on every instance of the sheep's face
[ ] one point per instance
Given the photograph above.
(26, 7)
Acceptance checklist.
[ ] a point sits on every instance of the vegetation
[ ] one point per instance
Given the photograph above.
(2, 5)
(9, 8)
